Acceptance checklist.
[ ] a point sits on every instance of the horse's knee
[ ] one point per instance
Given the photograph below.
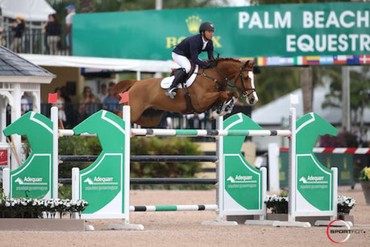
(224, 95)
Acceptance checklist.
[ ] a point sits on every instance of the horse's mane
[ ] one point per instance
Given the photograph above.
(228, 59)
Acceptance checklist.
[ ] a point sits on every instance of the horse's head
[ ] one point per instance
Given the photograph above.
(244, 82)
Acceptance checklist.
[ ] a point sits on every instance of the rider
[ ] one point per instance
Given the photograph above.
(189, 49)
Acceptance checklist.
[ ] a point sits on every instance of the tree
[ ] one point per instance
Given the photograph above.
(359, 93)
(274, 82)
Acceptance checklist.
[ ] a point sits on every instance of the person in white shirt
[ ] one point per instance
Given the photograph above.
(71, 11)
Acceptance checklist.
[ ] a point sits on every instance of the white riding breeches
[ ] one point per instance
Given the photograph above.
(182, 61)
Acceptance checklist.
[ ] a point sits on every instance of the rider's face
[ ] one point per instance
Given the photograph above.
(208, 34)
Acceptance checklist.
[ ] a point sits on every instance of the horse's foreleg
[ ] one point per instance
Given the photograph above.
(227, 95)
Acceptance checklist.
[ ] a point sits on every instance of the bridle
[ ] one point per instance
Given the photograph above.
(246, 90)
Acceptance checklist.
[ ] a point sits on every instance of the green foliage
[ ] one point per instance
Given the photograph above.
(65, 191)
(162, 146)
(77, 145)
(365, 174)
(343, 139)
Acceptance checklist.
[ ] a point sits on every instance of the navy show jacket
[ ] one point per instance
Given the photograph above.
(192, 46)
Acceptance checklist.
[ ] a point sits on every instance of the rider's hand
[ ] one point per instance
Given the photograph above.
(211, 64)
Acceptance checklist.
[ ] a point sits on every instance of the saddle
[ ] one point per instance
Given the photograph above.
(188, 75)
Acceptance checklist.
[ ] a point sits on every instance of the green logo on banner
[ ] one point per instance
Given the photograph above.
(33, 179)
(243, 182)
(314, 181)
(102, 182)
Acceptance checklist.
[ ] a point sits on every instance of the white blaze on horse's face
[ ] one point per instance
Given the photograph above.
(252, 98)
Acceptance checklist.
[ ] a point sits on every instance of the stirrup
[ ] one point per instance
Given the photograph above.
(171, 93)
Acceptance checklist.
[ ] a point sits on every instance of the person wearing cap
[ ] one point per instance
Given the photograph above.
(69, 19)
(18, 27)
(188, 50)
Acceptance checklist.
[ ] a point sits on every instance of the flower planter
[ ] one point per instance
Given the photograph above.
(346, 217)
(366, 190)
(41, 225)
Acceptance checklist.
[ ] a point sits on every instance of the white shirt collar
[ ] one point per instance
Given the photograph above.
(204, 43)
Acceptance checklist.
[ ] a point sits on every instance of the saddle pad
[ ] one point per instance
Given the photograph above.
(167, 81)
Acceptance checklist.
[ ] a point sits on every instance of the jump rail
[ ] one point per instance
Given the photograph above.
(208, 133)
(193, 132)
(166, 208)
(146, 158)
(159, 180)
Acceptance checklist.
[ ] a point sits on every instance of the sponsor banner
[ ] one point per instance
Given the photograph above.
(324, 33)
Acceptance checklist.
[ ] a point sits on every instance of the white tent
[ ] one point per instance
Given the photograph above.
(98, 63)
(276, 113)
(30, 10)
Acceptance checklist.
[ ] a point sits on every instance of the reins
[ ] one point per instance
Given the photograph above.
(220, 84)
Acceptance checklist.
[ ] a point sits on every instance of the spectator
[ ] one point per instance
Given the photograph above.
(18, 27)
(103, 92)
(68, 108)
(69, 19)
(88, 104)
(61, 104)
(111, 103)
(52, 30)
(26, 103)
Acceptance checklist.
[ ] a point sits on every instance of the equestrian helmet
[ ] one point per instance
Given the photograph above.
(206, 26)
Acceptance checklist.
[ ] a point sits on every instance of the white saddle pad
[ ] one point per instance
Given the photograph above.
(167, 81)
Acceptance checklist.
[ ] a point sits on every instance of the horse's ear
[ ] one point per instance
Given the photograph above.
(249, 64)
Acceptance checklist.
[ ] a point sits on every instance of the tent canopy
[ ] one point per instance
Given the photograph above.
(113, 64)
(30, 10)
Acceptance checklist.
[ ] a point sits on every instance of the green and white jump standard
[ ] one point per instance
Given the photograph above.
(241, 190)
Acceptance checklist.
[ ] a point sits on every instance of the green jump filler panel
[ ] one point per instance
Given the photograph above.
(33, 178)
(102, 183)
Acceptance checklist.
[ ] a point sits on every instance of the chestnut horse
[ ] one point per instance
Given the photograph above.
(211, 88)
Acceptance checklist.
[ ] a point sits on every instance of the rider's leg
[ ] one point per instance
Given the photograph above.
(180, 74)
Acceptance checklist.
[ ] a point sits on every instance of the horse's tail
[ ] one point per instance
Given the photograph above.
(123, 86)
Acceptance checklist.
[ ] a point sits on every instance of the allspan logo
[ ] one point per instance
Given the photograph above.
(192, 23)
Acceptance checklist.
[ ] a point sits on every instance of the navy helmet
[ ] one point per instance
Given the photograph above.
(206, 26)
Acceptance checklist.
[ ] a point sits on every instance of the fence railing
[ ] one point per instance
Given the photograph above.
(33, 42)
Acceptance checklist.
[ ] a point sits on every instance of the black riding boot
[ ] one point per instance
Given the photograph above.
(179, 76)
